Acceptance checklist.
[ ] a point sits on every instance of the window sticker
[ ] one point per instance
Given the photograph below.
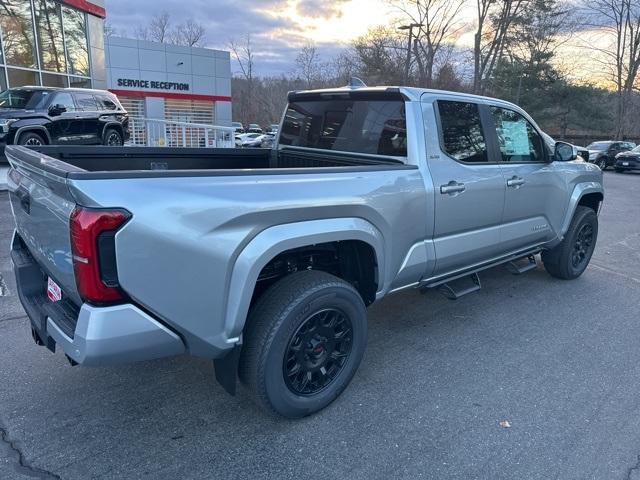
(515, 138)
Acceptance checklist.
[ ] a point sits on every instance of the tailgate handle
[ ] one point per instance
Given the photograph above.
(25, 199)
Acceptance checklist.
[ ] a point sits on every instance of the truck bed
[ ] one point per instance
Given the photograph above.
(163, 161)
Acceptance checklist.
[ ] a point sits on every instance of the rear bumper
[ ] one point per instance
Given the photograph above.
(114, 335)
(631, 165)
(89, 335)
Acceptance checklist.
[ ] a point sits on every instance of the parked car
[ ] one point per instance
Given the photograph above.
(267, 140)
(628, 160)
(254, 128)
(273, 128)
(603, 154)
(36, 116)
(238, 127)
(267, 259)
(247, 140)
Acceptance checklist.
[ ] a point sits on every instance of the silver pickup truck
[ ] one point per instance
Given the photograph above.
(265, 260)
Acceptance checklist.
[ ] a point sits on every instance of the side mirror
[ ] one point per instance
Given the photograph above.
(565, 152)
(55, 110)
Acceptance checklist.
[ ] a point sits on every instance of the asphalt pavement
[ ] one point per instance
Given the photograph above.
(559, 361)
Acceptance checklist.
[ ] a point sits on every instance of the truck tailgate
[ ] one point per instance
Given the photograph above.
(42, 206)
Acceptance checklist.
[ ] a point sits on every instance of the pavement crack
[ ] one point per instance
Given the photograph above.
(23, 466)
(633, 468)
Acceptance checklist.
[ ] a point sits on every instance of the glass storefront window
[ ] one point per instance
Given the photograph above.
(50, 43)
(53, 80)
(78, 82)
(75, 34)
(16, 23)
(22, 77)
(3, 81)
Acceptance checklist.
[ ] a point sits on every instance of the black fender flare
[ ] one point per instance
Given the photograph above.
(32, 128)
(116, 126)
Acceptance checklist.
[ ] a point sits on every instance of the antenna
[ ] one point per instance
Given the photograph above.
(355, 82)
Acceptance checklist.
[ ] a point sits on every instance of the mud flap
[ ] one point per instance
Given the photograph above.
(227, 370)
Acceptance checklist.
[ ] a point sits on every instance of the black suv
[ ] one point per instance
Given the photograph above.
(61, 116)
(604, 154)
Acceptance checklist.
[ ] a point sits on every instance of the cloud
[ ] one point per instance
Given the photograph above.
(275, 38)
(320, 9)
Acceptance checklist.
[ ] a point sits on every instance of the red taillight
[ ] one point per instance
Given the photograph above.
(86, 226)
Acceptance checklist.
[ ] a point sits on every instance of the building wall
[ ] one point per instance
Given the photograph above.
(158, 72)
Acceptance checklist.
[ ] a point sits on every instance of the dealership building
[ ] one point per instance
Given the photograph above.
(61, 43)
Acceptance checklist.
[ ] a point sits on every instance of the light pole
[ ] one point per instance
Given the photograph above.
(409, 27)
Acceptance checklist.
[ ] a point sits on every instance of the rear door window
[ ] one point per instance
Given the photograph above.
(462, 134)
(66, 100)
(371, 125)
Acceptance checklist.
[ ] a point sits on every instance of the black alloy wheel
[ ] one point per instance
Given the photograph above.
(113, 139)
(602, 163)
(582, 246)
(31, 140)
(317, 351)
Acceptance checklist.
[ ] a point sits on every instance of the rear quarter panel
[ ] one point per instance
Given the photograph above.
(176, 256)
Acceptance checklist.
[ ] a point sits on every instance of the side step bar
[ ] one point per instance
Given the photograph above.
(518, 267)
(458, 287)
(450, 291)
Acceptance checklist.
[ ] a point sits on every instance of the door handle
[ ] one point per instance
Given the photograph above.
(515, 182)
(452, 188)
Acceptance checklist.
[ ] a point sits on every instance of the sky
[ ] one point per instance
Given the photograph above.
(278, 28)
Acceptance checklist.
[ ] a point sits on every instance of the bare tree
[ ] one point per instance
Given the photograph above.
(378, 56)
(243, 53)
(189, 33)
(619, 22)
(308, 65)
(159, 28)
(494, 20)
(110, 30)
(440, 24)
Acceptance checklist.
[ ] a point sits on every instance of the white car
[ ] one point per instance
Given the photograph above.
(247, 140)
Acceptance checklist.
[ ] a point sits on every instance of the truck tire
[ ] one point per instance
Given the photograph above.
(31, 139)
(112, 138)
(570, 258)
(303, 343)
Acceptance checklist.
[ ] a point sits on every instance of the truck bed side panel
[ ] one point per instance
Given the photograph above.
(176, 255)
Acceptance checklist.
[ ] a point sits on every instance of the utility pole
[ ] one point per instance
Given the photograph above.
(407, 66)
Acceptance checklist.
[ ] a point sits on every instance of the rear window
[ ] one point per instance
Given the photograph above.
(362, 125)
(106, 103)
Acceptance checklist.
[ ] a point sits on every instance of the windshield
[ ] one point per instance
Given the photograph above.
(598, 146)
(23, 99)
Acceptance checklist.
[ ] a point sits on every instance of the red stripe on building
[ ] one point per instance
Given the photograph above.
(88, 7)
(175, 96)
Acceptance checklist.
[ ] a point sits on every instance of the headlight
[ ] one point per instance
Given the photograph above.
(5, 123)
